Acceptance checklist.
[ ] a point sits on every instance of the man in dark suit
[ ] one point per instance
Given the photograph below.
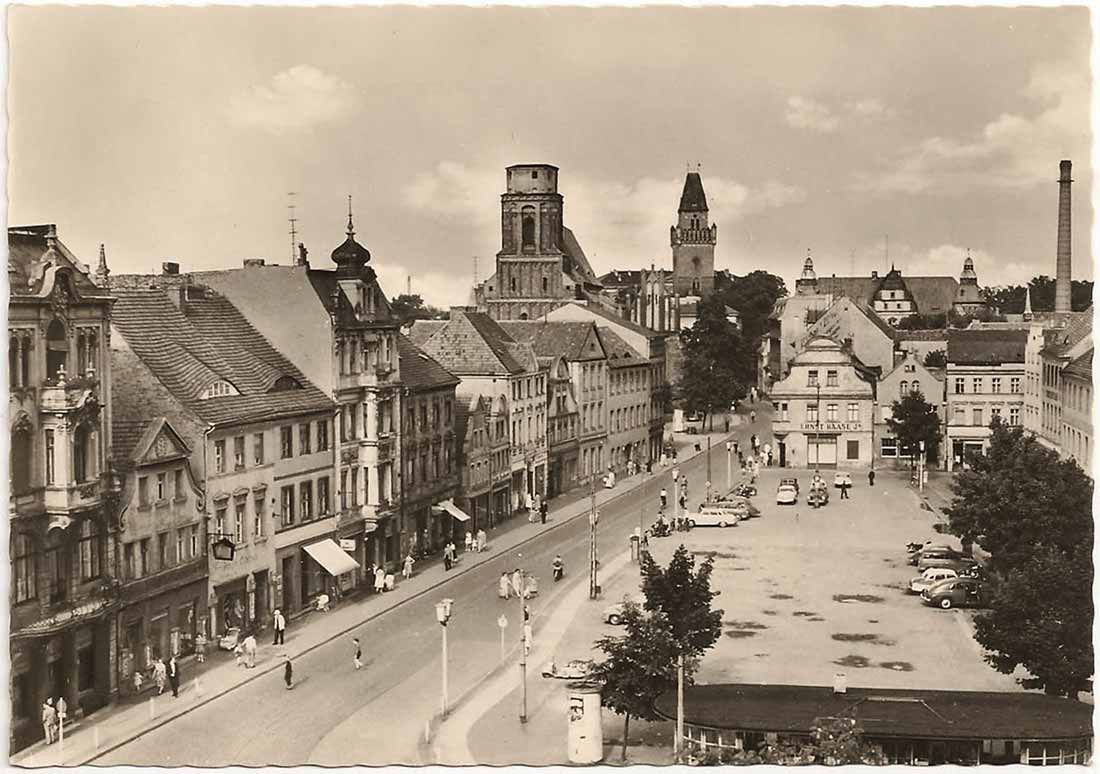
(174, 676)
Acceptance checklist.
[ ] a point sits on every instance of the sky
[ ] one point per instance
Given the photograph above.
(180, 133)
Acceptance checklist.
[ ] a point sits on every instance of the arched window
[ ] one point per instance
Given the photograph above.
(83, 454)
(284, 383)
(57, 349)
(916, 387)
(523, 315)
(904, 388)
(22, 455)
(696, 263)
(545, 284)
(527, 217)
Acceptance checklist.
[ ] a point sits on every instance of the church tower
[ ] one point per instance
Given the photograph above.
(693, 240)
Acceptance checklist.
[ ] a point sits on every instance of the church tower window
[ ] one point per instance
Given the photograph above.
(527, 217)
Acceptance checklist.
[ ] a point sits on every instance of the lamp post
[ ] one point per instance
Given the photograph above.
(521, 592)
(593, 556)
(443, 615)
(708, 469)
(729, 465)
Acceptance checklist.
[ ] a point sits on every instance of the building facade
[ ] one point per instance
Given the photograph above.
(824, 409)
(909, 376)
(562, 428)
(984, 381)
(64, 593)
(693, 239)
(628, 403)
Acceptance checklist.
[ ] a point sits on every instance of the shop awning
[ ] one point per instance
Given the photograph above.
(331, 557)
(451, 508)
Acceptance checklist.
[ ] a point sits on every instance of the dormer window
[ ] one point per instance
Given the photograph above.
(284, 383)
(219, 389)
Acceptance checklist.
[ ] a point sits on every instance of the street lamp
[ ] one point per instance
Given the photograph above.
(593, 556)
(729, 465)
(222, 547)
(524, 616)
(443, 615)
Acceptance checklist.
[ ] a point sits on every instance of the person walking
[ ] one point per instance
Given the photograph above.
(279, 624)
(200, 647)
(174, 676)
(160, 675)
(288, 673)
(49, 720)
(358, 653)
(544, 510)
(871, 477)
(468, 541)
(481, 540)
(504, 587)
(407, 566)
(664, 498)
(448, 558)
(844, 491)
(769, 458)
(752, 416)
(250, 651)
(517, 582)
(379, 579)
(239, 653)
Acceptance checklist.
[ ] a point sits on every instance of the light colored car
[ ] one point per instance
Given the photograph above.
(842, 479)
(930, 577)
(613, 614)
(786, 495)
(955, 592)
(739, 509)
(948, 557)
(577, 669)
(713, 518)
(789, 482)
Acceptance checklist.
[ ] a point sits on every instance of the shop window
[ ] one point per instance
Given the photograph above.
(85, 668)
(888, 448)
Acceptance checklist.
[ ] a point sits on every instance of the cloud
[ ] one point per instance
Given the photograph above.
(991, 270)
(296, 99)
(438, 289)
(1015, 150)
(804, 113)
(453, 191)
(870, 108)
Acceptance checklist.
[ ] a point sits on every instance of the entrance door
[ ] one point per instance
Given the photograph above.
(287, 602)
(821, 452)
(782, 454)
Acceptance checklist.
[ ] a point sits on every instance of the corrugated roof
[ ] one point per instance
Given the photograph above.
(693, 198)
(418, 370)
(986, 347)
(212, 342)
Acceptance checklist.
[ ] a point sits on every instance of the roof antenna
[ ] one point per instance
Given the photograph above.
(293, 229)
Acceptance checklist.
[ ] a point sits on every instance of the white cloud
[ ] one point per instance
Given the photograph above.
(804, 113)
(298, 98)
(871, 108)
(1015, 150)
(454, 191)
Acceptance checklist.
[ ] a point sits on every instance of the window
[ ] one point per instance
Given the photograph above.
(343, 489)
(288, 505)
(527, 215)
(257, 517)
(322, 496)
(978, 386)
(219, 456)
(1014, 384)
(545, 284)
(181, 552)
(219, 519)
(889, 448)
(915, 387)
(960, 415)
(286, 442)
(49, 458)
(143, 558)
(903, 388)
(811, 412)
(304, 439)
(57, 349)
(89, 550)
(238, 520)
(353, 419)
(812, 381)
(179, 489)
(994, 413)
(853, 412)
(831, 412)
(129, 571)
(853, 450)
(960, 385)
(164, 557)
(26, 586)
(322, 435)
(423, 416)
(22, 453)
(513, 284)
(995, 384)
(162, 480)
(830, 378)
(447, 413)
(305, 495)
(354, 486)
(978, 417)
(83, 454)
(143, 490)
(258, 448)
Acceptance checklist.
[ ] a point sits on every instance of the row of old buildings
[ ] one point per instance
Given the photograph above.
(191, 451)
(836, 358)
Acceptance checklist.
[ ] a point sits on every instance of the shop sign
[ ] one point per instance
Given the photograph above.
(347, 544)
(832, 427)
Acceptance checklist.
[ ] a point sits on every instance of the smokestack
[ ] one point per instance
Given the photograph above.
(1063, 271)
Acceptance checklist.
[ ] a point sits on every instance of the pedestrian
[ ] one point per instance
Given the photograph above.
(358, 653)
(279, 624)
(871, 477)
(160, 675)
(407, 567)
(517, 582)
(250, 651)
(49, 720)
(544, 510)
(200, 647)
(447, 557)
(379, 579)
(844, 491)
(769, 458)
(741, 459)
(239, 653)
(174, 676)
(644, 542)
(664, 498)
(138, 680)
(288, 674)
(468, 541)
(683, 502)
(481, 540)
(504, 589)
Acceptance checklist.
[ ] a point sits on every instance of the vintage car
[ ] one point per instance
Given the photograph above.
(786, 495)
(955, 592)
(931, 577)
(713, 518)
(577, 669)
(613, 614)
(791, 482)
(840, 478)
(947, 557)
(818, 497)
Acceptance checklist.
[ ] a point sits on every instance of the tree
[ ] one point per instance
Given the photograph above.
(639, 667)
(753, 296)
(1010, 299)
(682, 596)
(1032, 511)
(407, 308)
(913, 420)
(717, 363)
(937, 358)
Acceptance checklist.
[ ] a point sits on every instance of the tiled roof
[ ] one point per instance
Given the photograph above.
(469, 343)
(939, 334)
(1081, 367)
(550, 339)
(890, 712)
(572, 248)
(1077, 327)
(619, 353)
(931, 294)
(623, 277)
(212, 342)
(422, 330)
(418, 370)
(986, 347)
(693, 199)
(629, 325)
(31, 261)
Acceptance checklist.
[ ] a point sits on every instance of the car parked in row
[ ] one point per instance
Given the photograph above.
(930, 577)
(955, 592)
(786, 495)
(840, 478)
(713, 518)
(948, 557)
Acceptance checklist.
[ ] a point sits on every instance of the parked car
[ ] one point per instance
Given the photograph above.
(948, 557)
(955, 592)
(915, 556)
(577, 669)
(742, 509)
(840, 478)
(791, 482)
(818, 497)
(713, 518)
(931, 577)
(613, 614)
(786, 495)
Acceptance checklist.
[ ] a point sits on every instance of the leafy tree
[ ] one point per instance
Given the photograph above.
(408, 307)
(754, 296)
(683, 596)
(717, 363)
(1010, 299)
(937, 358)
(914, 420)
(639, 667)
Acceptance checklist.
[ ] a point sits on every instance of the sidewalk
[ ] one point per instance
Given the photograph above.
(114, 726)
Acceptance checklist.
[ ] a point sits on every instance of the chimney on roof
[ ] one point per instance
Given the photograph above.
(874, 273)
(1063, 270)
(169, 267)
(251, 263)
(840, 683)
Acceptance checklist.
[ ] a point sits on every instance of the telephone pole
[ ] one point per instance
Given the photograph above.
(593, 560)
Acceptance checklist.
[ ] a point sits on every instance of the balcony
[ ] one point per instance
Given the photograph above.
(65, 395)
(87, 494)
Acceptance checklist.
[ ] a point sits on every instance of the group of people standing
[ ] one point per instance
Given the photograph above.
(53, 717)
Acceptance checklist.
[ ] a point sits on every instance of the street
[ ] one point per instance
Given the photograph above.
(335, 715)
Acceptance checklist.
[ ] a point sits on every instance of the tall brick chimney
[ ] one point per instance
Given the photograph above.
(1063, 275)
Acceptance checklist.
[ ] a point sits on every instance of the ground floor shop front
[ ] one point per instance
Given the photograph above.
(964, 442)
(562, 475)
(825, 450)
(76, 662)
(243, 603)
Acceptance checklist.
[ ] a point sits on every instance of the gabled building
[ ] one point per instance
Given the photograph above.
(909, 376)
(473, 429)
(63, 506)
(629, 403)
(849, 321)
(562, 429)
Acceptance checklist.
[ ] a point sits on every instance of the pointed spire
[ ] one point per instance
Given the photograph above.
(351, 226)
(808, 267)
(968, 269)
(102, 273)
(1027, 302)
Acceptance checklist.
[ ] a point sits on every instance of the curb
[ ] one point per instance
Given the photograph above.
(275, 666)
